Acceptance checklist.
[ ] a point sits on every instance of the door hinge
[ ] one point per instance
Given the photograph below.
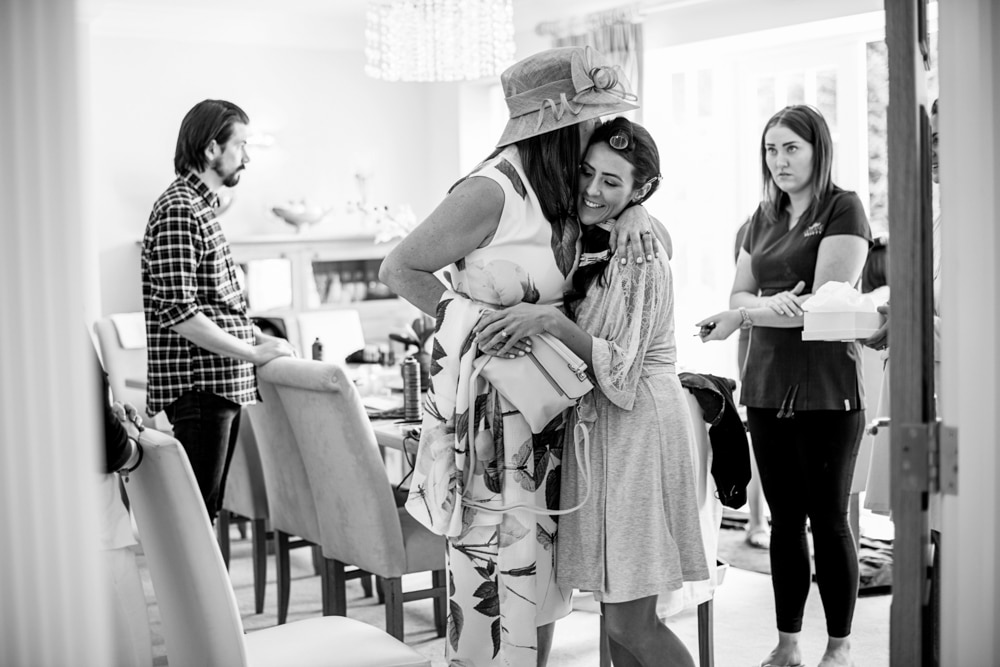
(940, 469)
(947, 461)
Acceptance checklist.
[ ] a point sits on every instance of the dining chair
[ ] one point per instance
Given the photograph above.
(121, 338)
(197, 605)
(291, 507)
(357, 512)
(245, 498)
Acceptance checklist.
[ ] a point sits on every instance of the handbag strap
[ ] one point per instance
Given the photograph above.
(581, 446)
(575, 363)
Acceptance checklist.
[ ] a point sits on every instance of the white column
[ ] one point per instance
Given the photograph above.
(53, 606)
(970, 216)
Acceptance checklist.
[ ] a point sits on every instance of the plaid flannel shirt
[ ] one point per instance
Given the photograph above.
(187, 268)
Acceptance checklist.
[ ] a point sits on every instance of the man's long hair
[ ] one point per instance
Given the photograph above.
(207, 121)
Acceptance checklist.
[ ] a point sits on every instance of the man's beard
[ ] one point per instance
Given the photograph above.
(230, 179)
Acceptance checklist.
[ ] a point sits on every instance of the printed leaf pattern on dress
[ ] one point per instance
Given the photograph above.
(489, 604)
(511, 530)
(437, 353)
(456, 619)
(496, 631)
(493, 473)
(552, 486)
(564, 236)
(508, 170)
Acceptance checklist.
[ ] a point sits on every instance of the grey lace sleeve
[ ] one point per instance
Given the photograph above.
(620, 326)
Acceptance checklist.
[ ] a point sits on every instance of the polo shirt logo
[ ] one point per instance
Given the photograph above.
(815, 229)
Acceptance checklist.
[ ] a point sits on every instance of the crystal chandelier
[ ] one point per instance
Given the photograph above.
(438, 40)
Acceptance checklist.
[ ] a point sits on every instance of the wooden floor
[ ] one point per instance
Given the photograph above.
(744, 617)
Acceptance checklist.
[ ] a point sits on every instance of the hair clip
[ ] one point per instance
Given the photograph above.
(619, 140)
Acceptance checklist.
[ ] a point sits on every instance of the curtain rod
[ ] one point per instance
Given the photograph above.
(655, 7)
(639, 9)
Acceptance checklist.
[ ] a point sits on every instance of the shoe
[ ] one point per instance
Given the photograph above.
(759, 538)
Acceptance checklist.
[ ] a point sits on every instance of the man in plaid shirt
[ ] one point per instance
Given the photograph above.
(202, 346)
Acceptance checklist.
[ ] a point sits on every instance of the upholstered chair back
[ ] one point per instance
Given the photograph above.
(358, 517)
(200, 616)
(289, 493)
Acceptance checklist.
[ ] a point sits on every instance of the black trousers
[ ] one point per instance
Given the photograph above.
(806, 465)
(206, 425)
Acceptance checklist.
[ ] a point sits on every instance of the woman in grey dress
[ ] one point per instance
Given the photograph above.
(638, 534)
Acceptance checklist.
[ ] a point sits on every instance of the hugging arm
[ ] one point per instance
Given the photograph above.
(466, 219)
(502, 329)
(629, 237)
(616, 343)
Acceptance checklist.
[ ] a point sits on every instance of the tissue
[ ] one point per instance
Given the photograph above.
(837, 311)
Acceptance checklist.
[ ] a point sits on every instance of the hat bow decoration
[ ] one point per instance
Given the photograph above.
(593, 83)
(597, 82)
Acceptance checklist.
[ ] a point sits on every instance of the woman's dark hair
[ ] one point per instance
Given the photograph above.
(809, 124)
(634, 143)
(550, 162)
(207, 121)
(875, 274)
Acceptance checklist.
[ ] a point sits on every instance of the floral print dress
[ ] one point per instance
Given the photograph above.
(501, 565)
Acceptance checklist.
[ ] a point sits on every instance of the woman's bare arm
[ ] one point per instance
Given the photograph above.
(465, 220)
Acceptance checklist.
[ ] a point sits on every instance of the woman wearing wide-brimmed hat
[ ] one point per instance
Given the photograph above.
(505, 234)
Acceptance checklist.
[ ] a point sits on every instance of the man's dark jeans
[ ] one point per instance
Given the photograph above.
(206, 425)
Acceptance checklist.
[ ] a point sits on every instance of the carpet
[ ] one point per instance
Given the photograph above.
(734, 550)
(874, 557)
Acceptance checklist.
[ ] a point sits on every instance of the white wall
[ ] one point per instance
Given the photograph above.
(328, 120)
(970, 291)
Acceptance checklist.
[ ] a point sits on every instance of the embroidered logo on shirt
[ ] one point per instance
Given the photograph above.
(815, 229)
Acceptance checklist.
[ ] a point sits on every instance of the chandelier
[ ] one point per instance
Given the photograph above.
(438, 40)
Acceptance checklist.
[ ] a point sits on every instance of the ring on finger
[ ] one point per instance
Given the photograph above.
(505, 334)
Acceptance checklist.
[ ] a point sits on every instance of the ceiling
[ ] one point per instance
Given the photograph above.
(311, 23)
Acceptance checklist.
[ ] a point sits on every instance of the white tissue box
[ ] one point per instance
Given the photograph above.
(839, 326)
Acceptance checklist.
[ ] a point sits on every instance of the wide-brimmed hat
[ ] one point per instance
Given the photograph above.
(562, 87)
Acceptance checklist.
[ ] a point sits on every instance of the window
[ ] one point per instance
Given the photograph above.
(706, 104)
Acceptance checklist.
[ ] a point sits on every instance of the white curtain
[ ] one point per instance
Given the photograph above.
(53, 600)
(617, 34)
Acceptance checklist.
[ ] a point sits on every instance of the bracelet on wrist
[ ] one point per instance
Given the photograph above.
(745, 320)
(124, 472)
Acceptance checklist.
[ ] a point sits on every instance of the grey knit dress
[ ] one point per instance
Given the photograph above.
(638, 533)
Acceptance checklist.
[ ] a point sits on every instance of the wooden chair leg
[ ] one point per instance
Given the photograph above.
(259, 564)
(706, 645)
(380, 589)
(326, 587)
(394, 606)
(439, 579)
(222, 533)
(605, 649)
(283, 565)
(317, 557)
(335, 583)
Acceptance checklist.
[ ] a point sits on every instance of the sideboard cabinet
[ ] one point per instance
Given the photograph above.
(290, 274)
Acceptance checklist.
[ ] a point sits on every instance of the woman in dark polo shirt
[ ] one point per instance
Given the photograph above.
(805, 400)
